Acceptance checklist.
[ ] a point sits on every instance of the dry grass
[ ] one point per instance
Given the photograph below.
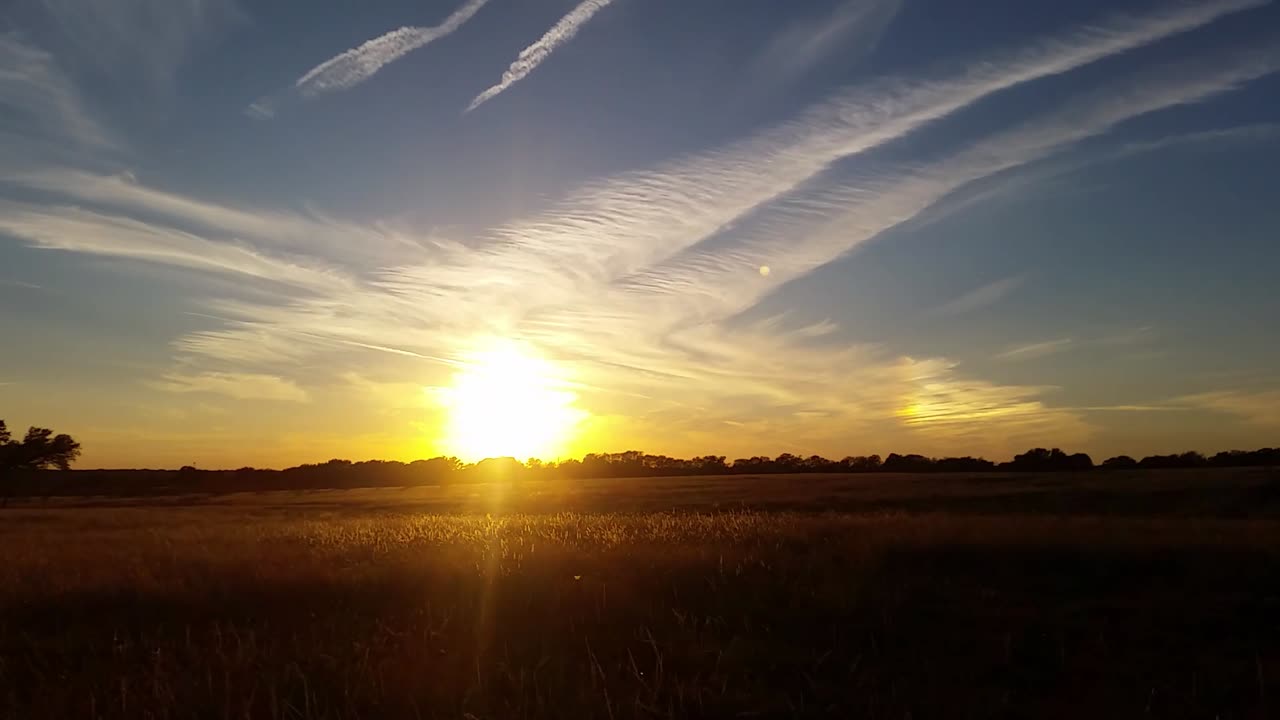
(349, 609)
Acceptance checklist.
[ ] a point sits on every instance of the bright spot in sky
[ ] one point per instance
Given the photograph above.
(764, 271)
(505, 400)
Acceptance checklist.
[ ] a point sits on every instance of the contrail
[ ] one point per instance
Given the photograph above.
(532, 56)
(360, 63)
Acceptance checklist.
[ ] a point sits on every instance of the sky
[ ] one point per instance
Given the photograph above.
(264, 234)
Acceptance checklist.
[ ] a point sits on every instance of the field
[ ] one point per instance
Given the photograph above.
(1146, 594)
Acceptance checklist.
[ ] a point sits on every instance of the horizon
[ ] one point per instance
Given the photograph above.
(256, 236)
(728, 461)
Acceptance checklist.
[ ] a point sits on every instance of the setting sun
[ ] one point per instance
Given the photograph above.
(507, 401)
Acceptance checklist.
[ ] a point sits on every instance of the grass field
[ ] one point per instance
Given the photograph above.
(1061, 596)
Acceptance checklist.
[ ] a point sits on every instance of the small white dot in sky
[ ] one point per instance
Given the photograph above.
(764, 271)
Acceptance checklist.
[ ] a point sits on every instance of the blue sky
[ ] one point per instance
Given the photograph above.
(267, 235)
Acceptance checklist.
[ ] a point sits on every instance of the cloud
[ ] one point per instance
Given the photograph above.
(388, 396)
(805, 232)
(779, 394)
(1132, 408)
(966, 412)
(40, 104)
(1241, 133)
(1035, 350)
(1130, 336)
(284, 231)
(979, 298)
(261, 109)
(137, 41)
(360, 63)
(534, 55)
(1010, 184)
(242, 386)
(74, 229)
(1257, 408)
(1032, 351)
(852, 28)
(632, 279)
(624, 224)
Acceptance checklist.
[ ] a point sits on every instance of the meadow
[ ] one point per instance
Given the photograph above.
(1142, 594)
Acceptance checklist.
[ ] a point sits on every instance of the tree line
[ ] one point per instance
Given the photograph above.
(25, 465)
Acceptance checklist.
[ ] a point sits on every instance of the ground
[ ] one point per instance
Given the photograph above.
(1152, 594)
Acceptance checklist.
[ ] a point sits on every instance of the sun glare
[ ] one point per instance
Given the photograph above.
(507, 401)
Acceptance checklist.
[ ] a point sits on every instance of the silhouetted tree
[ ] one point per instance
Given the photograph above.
(39, 449)
(1266, 457)
(501, 469)
(709, 465)
(1192, 459)
(757, 464)
(907, 463)
(870, 463)
(1119, 462)
(1042, 460)
(1166, 462)
(788, 463)
(1079, 461)
(963, 464)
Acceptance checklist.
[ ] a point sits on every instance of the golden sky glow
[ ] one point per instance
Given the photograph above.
(213, 256)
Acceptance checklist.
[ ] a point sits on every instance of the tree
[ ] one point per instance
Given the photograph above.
(1042, 460)
(1079, 461)
(1119, 462)
(907, 463)
(39, 449)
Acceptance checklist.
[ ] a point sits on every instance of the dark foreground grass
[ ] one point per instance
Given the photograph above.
(226, 612)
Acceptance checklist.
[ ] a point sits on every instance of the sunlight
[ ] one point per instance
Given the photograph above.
(507, 401)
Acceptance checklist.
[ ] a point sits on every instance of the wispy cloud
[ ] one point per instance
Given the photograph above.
(263, 108)
(1133, 408)
(1130, 336)
(623, 225)
(74, 229)
(242, 386)
(311, 234)
(808, 231)
(137, 42)
(534, 55)
(1046, 348)
(945, 407)
(360, 63)
(40, 104)
(633, 278)
(1036, 350)
(1009, 185)
(388, 396)
(852, 28)
(979, 298)
(1259, 408)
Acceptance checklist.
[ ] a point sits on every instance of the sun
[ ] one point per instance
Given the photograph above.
(507, 401)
